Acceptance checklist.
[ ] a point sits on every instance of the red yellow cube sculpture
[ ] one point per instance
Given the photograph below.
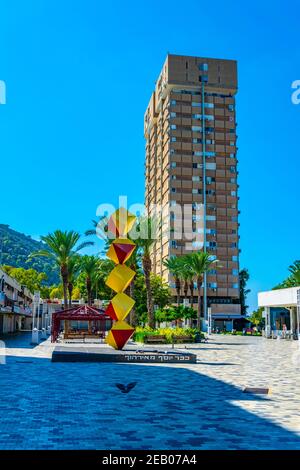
(120, 278)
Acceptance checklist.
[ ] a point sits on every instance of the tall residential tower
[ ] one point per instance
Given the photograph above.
(191, 159)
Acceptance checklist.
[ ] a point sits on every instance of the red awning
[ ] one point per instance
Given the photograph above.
(81, 313)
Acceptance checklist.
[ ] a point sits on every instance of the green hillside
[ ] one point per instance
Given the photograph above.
(15, 247)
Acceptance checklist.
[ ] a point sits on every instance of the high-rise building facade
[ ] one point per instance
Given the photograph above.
(191, 160)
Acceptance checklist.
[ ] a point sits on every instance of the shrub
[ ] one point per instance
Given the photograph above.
(140, 333)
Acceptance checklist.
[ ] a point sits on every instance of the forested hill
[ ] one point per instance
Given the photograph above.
(15, 247)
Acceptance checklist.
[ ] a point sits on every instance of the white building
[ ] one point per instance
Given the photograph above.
(15, 305)
(282, 310)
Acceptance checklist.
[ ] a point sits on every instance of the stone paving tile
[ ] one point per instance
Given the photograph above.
(46, 405)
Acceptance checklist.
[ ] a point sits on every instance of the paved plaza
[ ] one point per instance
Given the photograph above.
(48, 405)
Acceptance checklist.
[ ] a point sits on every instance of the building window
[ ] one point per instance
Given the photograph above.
(197, 165)
(212, 272)
(234, 258)
(173, 177)
(232, 180)
(196, 116)
(196, 178)
(232, 155)
(212, 285)
(210, 166)
(173, 244)
(197, 153)
(232, 144)
(209, 117)
(210, 217)
(210, 180)
(203, 67)
(173, 115)
(173, 190)
(173, 102)
(173, 127)
(231, 107)
(209, 105)
(203, 78)
(194, 104)
(210, 154)
(196, 128)
(196, 191)
(232, 169)
(235, 285)
(173, 203)
(197, 141)
(173, 164)
(197, 244)
(173, 139)
(235, 272)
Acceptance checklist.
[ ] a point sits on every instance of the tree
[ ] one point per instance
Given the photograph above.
(293, 280)
(256, 317)
(89, 266)
(175, 266)
(146, 227)
(57, 292)
(60, 246)
(160, 294)
(295, 273)
(187, 276)
(243, 279)
(199, 263)
(30, 278)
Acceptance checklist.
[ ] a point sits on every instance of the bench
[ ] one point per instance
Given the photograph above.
(183, 339)
(155, 339)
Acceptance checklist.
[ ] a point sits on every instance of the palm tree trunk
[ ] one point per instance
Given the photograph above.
(178, 289)
(64, 277)
(199, 284)
(89, 290)
(147, 272)
(185, 289)
(132, 315)
(192, 294)
(70, 289)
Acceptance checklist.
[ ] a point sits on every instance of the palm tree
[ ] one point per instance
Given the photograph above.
(187, 276)
(60, 246)
(89, 265)
(73, 269)
(175, 266)
(243, 279)
(199, 263)
(295, 273)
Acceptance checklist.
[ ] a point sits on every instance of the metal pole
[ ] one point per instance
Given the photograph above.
(204, 200)
(298, 314)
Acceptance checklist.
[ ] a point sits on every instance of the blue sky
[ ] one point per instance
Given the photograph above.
(79, 75)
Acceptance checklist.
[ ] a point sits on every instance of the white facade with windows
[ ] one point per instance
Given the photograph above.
(281, 311)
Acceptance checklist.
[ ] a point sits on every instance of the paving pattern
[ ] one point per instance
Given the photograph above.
(46, 405)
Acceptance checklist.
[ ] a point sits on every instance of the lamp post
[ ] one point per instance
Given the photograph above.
(204, 200)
